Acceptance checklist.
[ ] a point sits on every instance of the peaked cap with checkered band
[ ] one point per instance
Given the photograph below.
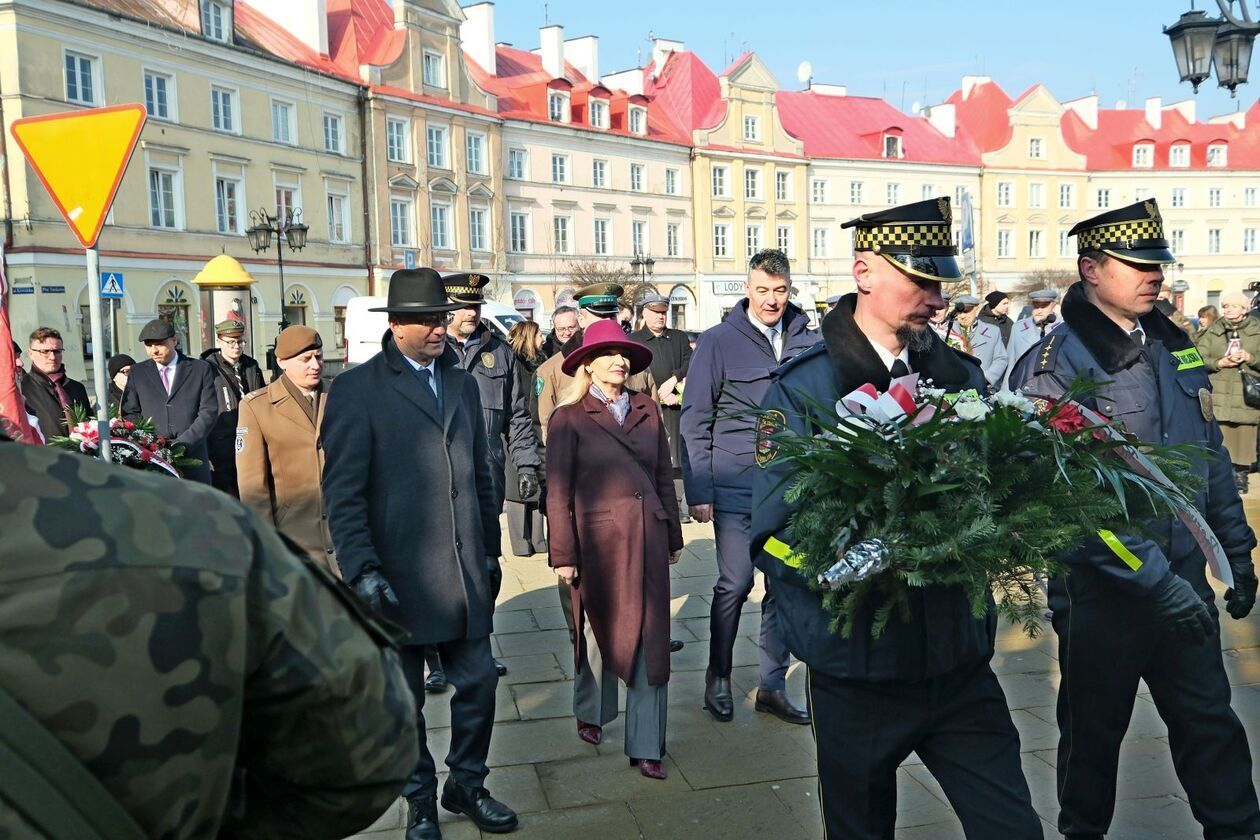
(466, 287)
(1134, 233)
(915, 238)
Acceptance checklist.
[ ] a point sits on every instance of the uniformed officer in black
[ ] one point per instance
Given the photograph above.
(1139, 606)
(925, 685)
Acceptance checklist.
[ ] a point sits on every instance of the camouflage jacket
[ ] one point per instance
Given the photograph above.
(213, 681)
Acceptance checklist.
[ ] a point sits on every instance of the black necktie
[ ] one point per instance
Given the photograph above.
(898, 369)
(1139, 338)
(426, 379)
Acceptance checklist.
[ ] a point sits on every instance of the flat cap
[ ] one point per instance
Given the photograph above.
(1043, 295)
(295, 340)
(229, 328)
(157, 330)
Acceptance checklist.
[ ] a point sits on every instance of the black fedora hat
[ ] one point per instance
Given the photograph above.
(417, 291)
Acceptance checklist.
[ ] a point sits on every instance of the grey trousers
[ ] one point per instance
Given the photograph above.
(595, 701)
(735, 581)
(527, 528)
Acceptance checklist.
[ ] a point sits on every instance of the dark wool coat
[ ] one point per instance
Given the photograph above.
(229, 390)
(410, 493)
(526, 370)
(671, 356)
(617, 522)
(1227, 386)
(41, 396)
(186, 415)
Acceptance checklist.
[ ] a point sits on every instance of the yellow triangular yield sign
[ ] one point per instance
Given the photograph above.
(80, 156)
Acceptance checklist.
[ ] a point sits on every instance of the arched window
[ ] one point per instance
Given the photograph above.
(295, 306)
(175, 306)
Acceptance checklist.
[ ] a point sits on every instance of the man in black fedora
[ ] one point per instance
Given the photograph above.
(413, 515)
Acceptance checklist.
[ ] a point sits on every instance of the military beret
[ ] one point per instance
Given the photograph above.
(296, 340)
(157, 330)
(1043, 295)
(229, 328)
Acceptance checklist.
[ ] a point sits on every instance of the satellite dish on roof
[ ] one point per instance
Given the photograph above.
(1121, 104)
(915, 108)
(804, 72)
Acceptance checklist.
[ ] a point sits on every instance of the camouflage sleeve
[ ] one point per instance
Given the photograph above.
(328, 738)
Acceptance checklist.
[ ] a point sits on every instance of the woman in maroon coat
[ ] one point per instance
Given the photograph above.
(614, 531)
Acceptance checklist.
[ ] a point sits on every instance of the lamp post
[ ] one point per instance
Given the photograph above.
(644, 268)
(1200, 43)
(262, 227)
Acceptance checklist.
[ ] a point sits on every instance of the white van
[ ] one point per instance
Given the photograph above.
(364, 329)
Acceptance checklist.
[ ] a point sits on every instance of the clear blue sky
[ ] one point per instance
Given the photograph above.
(906, 51)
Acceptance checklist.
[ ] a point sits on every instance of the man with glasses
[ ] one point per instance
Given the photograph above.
(51, 394)
(235, 375)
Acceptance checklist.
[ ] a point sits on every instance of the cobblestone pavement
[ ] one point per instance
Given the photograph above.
(755, 777)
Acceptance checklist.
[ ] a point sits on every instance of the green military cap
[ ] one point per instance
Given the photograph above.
(466, 287)
(915, 238)
(600, 298)
(229, 328)
(1134, 233)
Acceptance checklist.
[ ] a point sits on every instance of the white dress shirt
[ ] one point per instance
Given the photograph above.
(773, 334)
(886, 356)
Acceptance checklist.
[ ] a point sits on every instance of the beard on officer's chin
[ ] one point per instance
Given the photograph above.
(915, 340)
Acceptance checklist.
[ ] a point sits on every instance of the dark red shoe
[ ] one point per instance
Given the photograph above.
(649, 767)
(590, 733)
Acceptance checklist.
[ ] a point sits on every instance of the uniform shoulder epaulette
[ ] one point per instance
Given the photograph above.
(253, 395)
(800, 358)
(1046, 351)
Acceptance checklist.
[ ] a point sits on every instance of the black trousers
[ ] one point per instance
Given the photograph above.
(470, 669)
(960, 727)
(1105, 646)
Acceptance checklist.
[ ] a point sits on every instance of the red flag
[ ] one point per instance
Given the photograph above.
(13, 420)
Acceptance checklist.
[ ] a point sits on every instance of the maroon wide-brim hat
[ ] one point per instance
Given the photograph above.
(605, 336)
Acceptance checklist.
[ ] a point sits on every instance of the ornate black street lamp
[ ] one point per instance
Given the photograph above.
(262, 225)
(1200, 43)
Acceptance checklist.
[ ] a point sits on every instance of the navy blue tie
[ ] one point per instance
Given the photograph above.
(426, 380)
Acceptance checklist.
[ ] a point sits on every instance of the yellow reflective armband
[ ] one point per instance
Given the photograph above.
(781, 551)
(1113, 542)
(1188, 358)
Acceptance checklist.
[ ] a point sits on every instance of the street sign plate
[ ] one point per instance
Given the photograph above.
(112, 285)
(80, 157)
(409, 260)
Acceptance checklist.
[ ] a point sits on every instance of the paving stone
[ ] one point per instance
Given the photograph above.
(603, 778)
(1153, 818)
(538, 667)
(540, 641)
(743, 751)
(533, 741)
(550, 618)
(801, 798)
(1242, 666)
(1022, 662)
(513, 621)
(535, 701)
(1024, 690)
(1034, 732)
(608, 821)
(750, 812)
(688, 606)
(437, 707)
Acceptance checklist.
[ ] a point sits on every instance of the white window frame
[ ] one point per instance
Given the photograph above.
(432, 59)
(1179, 155)
(523, 217)
(176, 174)
(671, 181)
(403, 150)
(1005, 194)
(1249, 240)
(892, 193)
(818, 191)
(599, 173)
(673, 239)
(479, 234)
(782, 185)
(402, 231)
(857, 192)
(224, 33)
(1216, 196)
(721, 240)
(1037, 195)
(1249, 196)
(752, 183)
(442, 134)
(638, 177)
(238, 183)
(1177, 240)
(1005, 236)
(959, 192)
(1036, 244)
(93, 63)
(289, 135)
(1178, 197)
(1217, 155)
(1143, 155)
(517, 155)
(441, 210)
(720, 177)
(752, 128)
(600, 237)
(1141, 193)
(1214, 240)
(637, 120)
(339, 232)
(599, 112)
(282, 179)
(1036, 148)
(753, 239)
(639, 242)
(783, 236)
(893, 147)
(820, 242)
(233, 98)
(559, 168)
(558, 109)
(1067, 196)
(172, 100)
(1102, 198)
(475, 145)
(339, 146)
(1065, 243)
(927, 192)
(562, 234)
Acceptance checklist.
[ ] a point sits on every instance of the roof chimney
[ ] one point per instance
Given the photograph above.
(943, 118)
(307, 20)
(969, 83)
(631, 81)
(1185, 107)
(551, 48)
(661, 48)
(1154, 115)
(828, 90)
(476, 35)
(1086, 108)
(583, 53)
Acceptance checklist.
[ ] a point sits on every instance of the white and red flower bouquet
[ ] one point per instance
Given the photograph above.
(131, 444)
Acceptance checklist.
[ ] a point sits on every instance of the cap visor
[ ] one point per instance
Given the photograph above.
(1145, 256)
(419, 309)
(941, 269)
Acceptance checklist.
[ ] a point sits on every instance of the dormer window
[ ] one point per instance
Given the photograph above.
(892, 146)
(599, 113)
(1216, 155)
(216, 20)
(1143, 154)
(558, 106)
(1179, 155)
(434, 69)
(638, 119)
(1036, 148)
(752, 129)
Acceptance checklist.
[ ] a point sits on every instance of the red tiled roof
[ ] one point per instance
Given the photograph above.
(853, 127)
(521, 85)
(687, 90)
(270, 36)
(1110, 146)
(403, 93)
(177, 14)
(362, 32)
(983, 115)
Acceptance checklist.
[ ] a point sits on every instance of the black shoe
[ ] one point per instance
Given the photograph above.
(435, 683)
(717, 697)
(500, 668)
(778, 704)
(675, 645)
(476, 803)
(422, 818)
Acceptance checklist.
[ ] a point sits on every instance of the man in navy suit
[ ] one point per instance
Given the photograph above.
(176, 392)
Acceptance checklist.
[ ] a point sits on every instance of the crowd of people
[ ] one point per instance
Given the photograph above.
(599, 442)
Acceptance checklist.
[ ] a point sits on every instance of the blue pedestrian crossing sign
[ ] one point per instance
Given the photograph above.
(112, 285)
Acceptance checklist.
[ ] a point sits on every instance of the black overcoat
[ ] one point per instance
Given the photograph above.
(671, 356)
(410, 493)
(186, 415)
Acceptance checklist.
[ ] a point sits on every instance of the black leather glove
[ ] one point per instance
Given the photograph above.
(1176, 602)
(1240, 599)
(374, 590)
(528, 483)
(496, 575)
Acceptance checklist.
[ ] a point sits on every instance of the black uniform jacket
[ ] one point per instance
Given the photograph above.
(941, 634)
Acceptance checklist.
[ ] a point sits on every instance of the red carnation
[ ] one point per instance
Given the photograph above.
(1067, 418)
